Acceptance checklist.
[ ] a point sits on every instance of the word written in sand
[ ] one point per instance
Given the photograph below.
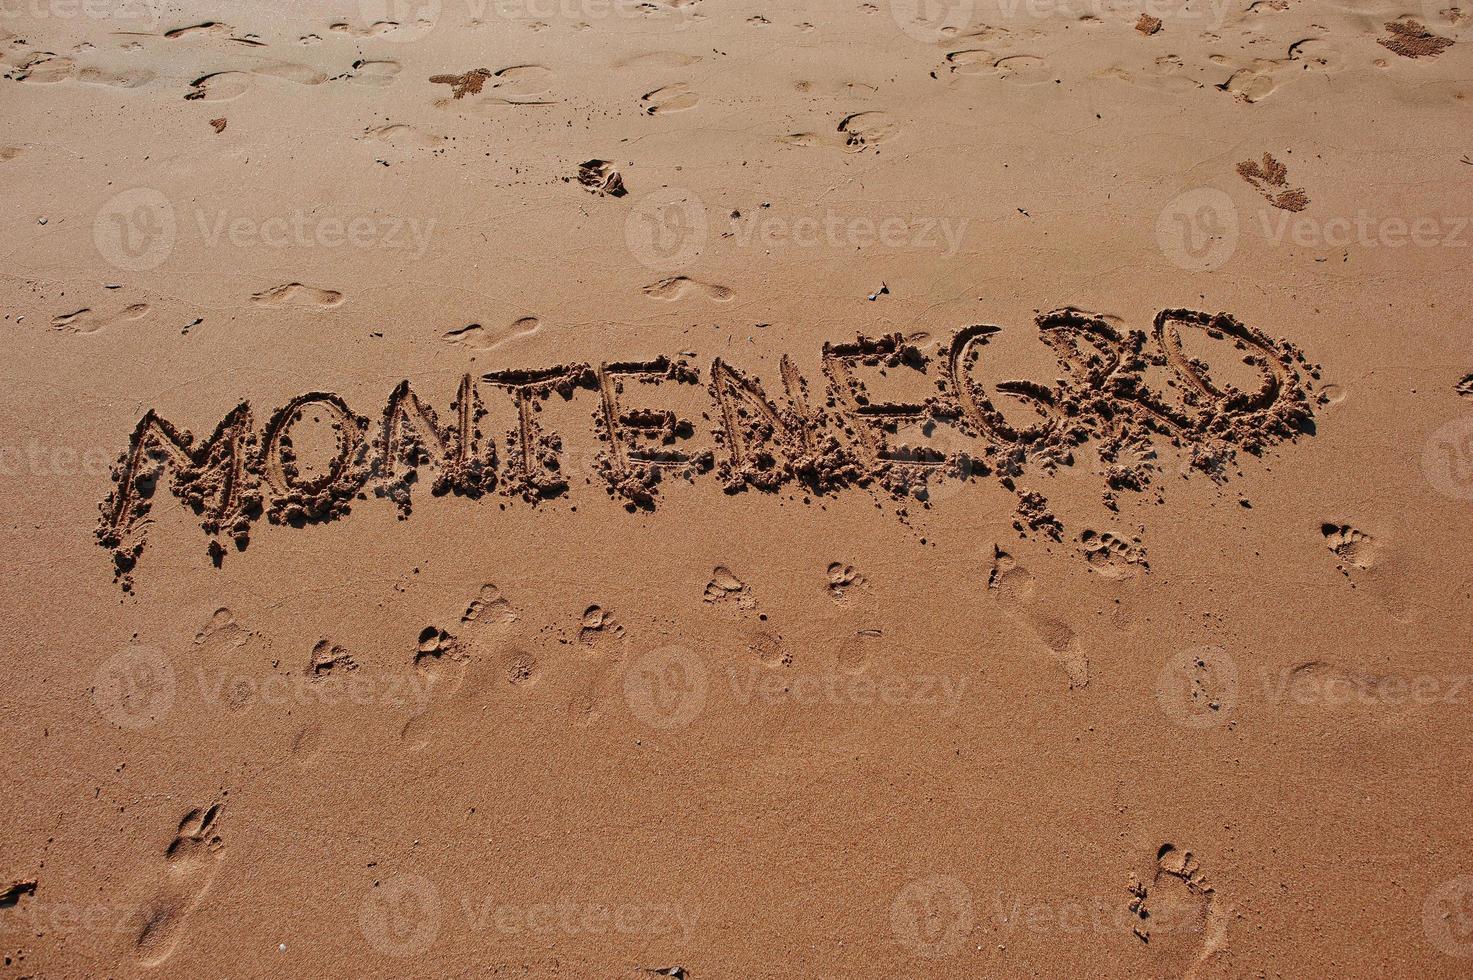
(315, 456)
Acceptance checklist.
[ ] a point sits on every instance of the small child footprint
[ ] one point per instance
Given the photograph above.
(1012, 585)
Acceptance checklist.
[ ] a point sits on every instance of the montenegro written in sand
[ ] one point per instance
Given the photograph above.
(818, 447)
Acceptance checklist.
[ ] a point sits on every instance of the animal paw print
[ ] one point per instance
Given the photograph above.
(1355, 549)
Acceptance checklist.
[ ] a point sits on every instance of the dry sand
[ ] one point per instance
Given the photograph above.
(701, 489)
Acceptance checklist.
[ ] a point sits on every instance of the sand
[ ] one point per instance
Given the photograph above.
(688, 489)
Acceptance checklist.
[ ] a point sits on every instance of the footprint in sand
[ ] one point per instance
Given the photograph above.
(45, 68)
(1012, 586)
(678, 287)
(454, 680)
(727, 590)
(659, 59)
(477, 337)
(1111, 555)
(1176, 912)
(865, 130)
(221, 633)
(220, 86)
(88, 321)
(770, 649)
(372, 73)
(854, 653)
(670, 98)
(296, 294)
(842, 581)
(597, 626)
(1355, 549)
(328, 659)
(191, 861)
(402, 135)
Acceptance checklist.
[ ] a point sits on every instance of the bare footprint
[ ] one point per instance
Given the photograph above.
(1012, 585)
(296, 294)
(678, 287)
(726, 589)
(659, 59)
(402, 135)
(489, 608)
(478, 337)
(1175, 911)
(865, 130)
(1112, 556)
(670, 98)
(770, 649)
(329, 658)
(191, 860)
(854, 652)
(598, 624)
(221, 633)
(220, 86)
(1271, 179)
(843, 581)
(1354, 549)
(88, 321)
